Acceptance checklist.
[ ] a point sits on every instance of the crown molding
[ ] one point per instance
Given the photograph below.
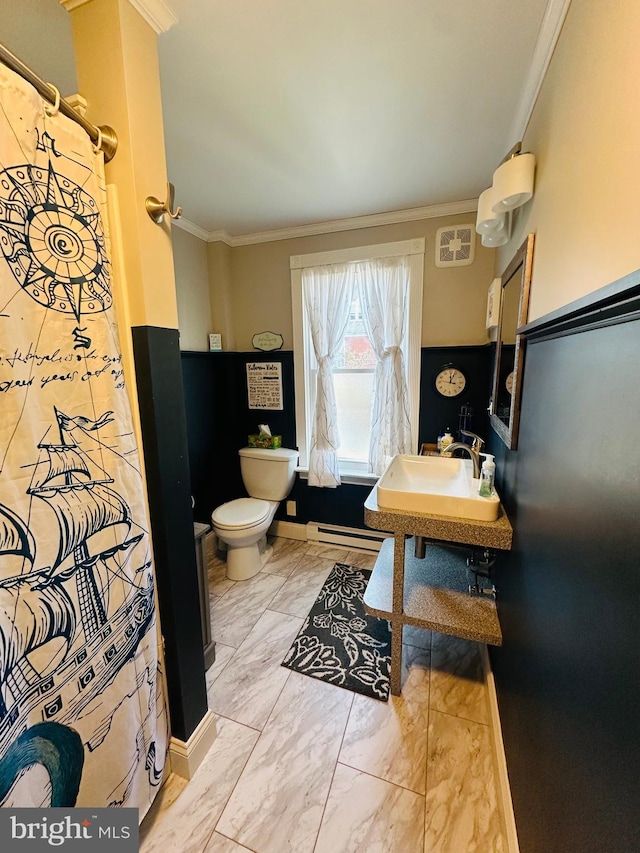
(370, 221)
(156, 13)
(548, 36)
(332, 226)
(222, 236)
(191, 228)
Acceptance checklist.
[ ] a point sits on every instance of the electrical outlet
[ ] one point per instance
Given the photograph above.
(291, 508)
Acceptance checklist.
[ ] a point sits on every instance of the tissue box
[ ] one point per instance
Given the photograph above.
(270, 441)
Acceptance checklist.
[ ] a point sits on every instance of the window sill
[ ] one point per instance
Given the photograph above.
(354, 478)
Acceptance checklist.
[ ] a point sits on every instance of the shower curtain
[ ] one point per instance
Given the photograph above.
(82, 714)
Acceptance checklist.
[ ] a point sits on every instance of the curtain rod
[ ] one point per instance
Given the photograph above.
(104, 134)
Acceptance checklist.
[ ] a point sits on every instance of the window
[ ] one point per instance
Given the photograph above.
(354, 365)
(353, 371)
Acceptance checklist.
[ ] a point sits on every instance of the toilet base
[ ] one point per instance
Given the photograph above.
(246, 561)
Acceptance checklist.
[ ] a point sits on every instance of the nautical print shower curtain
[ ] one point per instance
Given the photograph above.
(82, 715)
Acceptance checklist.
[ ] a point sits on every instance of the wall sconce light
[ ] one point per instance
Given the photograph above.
(489, 221)
(499, 238)
(512, 187)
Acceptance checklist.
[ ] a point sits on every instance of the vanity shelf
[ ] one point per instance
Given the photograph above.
(432, 592)
(436, 594)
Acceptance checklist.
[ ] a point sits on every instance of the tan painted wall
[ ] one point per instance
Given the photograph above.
(585, 133)
(117, 67)
(220, 286)
(192, 290)
(39, 33)
(258, 294)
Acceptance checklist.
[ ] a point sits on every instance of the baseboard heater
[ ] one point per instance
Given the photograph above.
(349, 537)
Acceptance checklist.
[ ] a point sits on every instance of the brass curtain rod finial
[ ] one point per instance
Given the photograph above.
(109, 142)
(157, 209)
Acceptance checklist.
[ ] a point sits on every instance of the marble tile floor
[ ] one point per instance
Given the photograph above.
(300, 766)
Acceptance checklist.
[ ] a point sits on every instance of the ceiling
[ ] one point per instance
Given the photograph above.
(290, 112)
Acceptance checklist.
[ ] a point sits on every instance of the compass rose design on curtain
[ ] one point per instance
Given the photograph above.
(52, 238)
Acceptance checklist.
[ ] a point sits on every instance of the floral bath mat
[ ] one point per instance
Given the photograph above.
(339, 642)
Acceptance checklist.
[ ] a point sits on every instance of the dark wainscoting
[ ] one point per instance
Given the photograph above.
(568, 674)
(162, 407)
(438, 412)
(212, 402)
(219, 421)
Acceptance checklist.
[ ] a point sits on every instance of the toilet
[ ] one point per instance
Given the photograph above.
(268, 476)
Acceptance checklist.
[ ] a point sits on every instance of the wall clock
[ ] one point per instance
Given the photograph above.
(450, 381)
(509, 382)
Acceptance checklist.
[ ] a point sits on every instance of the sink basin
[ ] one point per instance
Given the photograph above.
(437, 485)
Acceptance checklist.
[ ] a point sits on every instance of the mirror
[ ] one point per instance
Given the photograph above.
(504, 407)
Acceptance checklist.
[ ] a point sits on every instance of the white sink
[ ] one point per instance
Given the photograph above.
(438, 485)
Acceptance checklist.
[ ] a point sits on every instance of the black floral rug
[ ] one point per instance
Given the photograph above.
(339, 642)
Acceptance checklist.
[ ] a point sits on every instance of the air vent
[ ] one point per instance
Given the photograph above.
(455, 246)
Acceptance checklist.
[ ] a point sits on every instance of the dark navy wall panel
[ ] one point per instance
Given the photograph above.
(438, 412)
(219, 421)
(568, 674)
(162, 415)
(212, 403)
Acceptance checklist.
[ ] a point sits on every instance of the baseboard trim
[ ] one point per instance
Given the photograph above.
(185, 758)
(289, 530)
(500, 757)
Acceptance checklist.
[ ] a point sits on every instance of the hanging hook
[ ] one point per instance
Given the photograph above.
(52, 111)
(157, 209)
(98, 145)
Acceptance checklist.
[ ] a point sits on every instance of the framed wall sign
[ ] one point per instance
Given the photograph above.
(264, 385)
(267, 341)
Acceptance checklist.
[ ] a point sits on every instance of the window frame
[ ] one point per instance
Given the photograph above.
(303, 348)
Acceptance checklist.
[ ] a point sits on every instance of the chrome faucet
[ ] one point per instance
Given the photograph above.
(473, 450)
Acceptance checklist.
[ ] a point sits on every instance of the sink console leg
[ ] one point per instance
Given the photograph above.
(395, 674)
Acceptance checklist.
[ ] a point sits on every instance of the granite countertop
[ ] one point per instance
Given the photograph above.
(490, 534)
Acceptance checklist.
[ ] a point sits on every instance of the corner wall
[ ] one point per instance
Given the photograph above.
(192, 290)
(585, 133)
(567, 673)
(113, 34)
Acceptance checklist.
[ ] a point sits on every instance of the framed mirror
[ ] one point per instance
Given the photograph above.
(504, 406)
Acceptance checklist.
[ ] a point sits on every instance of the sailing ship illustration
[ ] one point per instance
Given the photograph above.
(68, 628)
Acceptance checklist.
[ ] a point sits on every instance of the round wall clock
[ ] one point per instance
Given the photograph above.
(509, 382)
(450, 381)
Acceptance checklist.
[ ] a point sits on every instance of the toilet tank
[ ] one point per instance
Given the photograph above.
(268, 474)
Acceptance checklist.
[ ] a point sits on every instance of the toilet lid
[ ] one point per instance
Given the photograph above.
(243, 512)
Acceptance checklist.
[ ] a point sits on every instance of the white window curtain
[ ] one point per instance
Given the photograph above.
(327, 293)
(383, 289)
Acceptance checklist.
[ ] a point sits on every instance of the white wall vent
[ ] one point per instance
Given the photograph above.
(455, 246)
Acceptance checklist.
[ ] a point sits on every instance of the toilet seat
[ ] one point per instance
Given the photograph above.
(241, 514)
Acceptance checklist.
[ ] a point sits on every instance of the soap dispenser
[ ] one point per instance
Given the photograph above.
(487, 476)
(447, 439)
